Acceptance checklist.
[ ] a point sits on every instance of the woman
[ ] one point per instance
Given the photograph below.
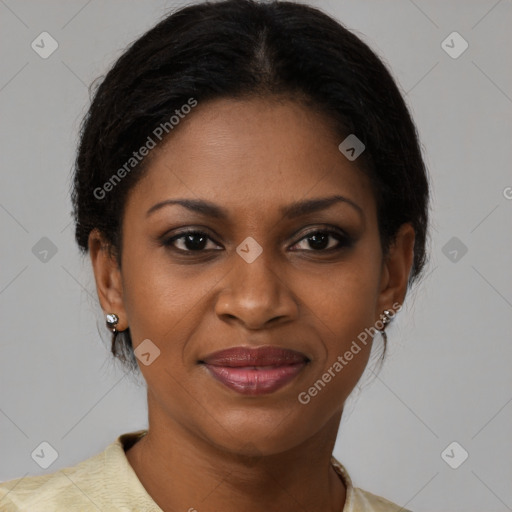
(250, 189)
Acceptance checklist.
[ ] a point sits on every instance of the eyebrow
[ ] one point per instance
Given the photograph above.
(290, 211)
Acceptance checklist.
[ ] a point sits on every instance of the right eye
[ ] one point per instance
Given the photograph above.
(190, 241)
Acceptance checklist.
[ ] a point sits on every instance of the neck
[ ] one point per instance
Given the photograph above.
(182, 471)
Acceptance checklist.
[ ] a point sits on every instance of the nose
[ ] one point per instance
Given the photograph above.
(256, 294)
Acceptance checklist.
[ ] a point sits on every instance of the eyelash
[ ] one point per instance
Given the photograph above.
(344, 241)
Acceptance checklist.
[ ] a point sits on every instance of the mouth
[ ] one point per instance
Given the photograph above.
(255, 371)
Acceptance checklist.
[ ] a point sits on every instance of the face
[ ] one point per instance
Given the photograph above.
(257, 270)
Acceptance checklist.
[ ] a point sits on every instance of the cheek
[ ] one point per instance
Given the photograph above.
(342, 316)
(343, 305)
(343, 299)
(160, 298)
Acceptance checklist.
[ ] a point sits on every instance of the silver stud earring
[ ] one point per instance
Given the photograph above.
(386, 317)
(112, 320)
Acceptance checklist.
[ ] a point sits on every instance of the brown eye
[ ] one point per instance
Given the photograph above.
(325, 240)
(190, 241)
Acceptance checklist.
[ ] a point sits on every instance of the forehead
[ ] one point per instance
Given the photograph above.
(251, 155)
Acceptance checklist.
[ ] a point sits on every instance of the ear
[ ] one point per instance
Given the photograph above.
(108, 279)
(395, 270)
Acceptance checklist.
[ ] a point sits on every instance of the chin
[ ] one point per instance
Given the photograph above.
(261, 439)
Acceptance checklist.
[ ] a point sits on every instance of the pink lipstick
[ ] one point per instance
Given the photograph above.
(255, 371)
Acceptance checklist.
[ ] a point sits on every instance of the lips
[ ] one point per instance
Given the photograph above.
(255, 371)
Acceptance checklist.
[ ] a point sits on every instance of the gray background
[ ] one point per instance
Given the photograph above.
(447, 377)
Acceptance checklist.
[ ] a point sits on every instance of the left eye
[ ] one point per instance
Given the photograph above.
(319, 240)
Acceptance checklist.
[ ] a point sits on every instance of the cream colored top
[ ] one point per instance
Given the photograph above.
(106, 482)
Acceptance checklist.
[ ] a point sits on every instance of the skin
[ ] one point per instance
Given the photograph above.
(209, 447)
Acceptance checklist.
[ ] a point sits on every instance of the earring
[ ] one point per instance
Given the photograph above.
(112, 320)
(385, 318)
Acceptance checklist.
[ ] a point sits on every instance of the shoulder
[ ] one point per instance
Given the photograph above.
(358, 500)
(66, 487)
(91, 485)
(368, 502)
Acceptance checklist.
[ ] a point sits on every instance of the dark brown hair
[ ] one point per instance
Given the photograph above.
(236, 49)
